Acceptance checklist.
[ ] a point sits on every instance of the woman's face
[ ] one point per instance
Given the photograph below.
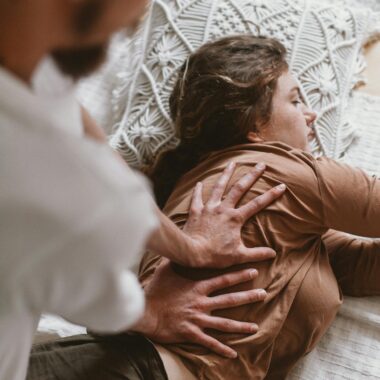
(291, 119)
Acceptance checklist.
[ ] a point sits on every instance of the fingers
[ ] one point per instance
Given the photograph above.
(220, 186)
(251, 255)
(229, 325)
(226, 280)
(243, 185)
(226, 301)
(199, 337)
(261, 202)
(196, 205)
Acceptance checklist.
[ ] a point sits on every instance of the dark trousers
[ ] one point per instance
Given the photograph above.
(87, 357)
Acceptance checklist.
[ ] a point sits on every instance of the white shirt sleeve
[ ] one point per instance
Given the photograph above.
(86, 280)
(72, 233)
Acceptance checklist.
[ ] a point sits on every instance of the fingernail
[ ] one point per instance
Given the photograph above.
(254, 327)
(281, 187)
(261, 292)
(273, 254)
(231, 165)
(253, 273)
(233, 355)
(260, 166)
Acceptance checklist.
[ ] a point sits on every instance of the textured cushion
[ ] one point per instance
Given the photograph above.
(323, 44)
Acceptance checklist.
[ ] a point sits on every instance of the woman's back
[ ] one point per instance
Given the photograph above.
(303, 294)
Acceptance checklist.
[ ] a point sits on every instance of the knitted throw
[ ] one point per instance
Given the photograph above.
(323, 43)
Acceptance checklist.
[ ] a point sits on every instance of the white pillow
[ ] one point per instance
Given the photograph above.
(323, 43)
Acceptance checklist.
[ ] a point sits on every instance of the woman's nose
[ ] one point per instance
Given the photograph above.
(310, 116)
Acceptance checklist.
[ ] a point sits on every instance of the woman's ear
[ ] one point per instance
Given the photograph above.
(254, 137)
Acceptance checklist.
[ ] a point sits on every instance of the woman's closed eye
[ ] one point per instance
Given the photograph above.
(297, 101)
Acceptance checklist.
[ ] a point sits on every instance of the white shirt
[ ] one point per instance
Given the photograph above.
(72, 220)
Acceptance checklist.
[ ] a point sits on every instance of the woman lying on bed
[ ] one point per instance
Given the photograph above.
(235, 99)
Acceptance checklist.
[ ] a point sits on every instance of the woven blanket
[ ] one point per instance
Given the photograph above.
(323, 42)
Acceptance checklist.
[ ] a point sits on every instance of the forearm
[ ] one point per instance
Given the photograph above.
(355, 262)
(170, 241)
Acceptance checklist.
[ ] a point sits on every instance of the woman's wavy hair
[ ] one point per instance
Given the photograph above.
(224, 90)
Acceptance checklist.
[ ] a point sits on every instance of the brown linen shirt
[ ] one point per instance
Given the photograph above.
(303, 292)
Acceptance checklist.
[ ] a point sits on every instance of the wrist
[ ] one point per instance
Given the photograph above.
(148, 323)
(188, 251)
(196, 251)
(175, 244)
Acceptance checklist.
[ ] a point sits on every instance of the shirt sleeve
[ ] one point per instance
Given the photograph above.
(355, 262)
(350, 198)
(86, 279)
(70, 236)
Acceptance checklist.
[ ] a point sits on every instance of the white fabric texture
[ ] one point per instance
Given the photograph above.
(323, 43)
(373, 5)
(364, 112)
(350, 348)
(73, 219)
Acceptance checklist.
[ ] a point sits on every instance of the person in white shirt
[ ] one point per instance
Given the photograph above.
(74, 218)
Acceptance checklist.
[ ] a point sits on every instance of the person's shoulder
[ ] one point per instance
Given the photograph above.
(278, 156)
(284, 164)
(276, 148)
